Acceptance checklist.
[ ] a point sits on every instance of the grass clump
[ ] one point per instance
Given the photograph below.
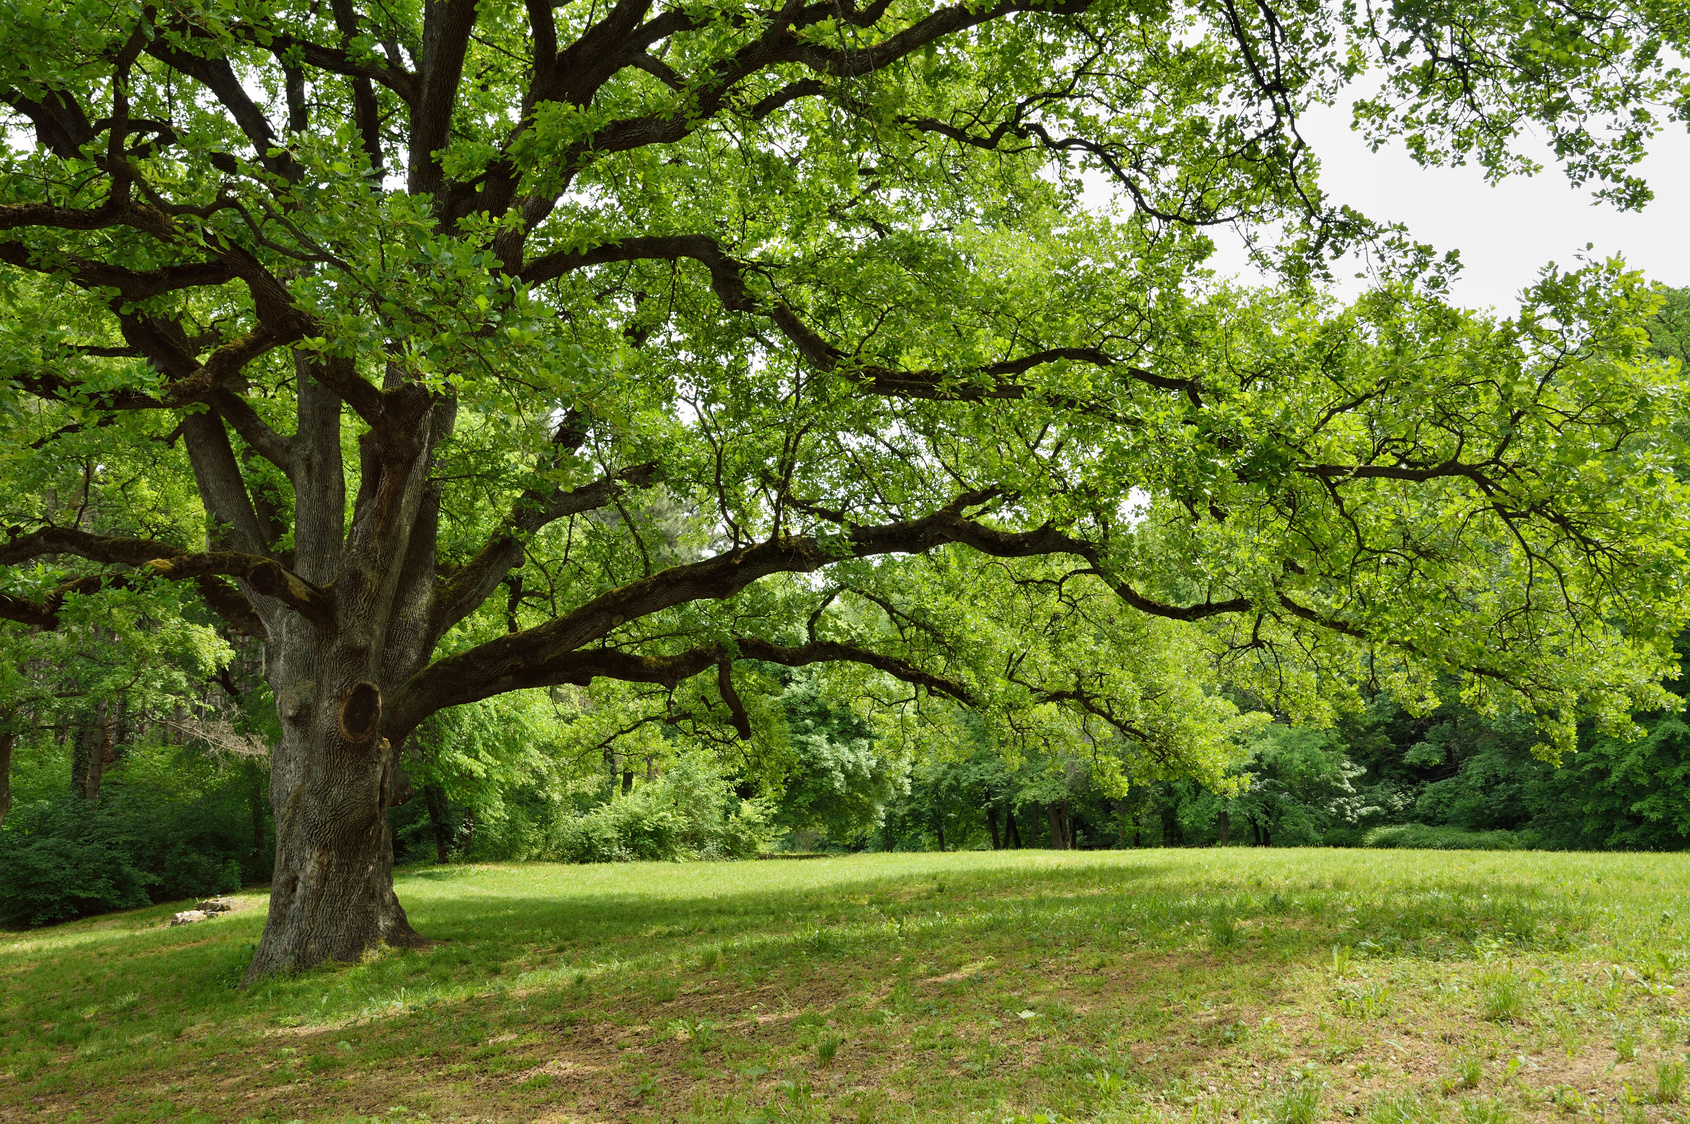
(1404, 1108)
(1503, 997)
(1301, 1105)
(1669, 1082)
(827, 1049)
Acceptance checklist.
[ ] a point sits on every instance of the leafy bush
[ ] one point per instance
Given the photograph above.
(54, 878)
(688, 812)
(1426, 837)
(64, 858)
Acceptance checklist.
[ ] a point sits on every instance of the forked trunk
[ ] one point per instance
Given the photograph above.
(330, 660)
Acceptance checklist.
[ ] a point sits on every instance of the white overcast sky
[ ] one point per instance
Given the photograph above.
(1508, 232)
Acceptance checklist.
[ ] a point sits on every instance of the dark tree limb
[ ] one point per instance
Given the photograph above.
(446, 29)
(727, 280)
(475, 581)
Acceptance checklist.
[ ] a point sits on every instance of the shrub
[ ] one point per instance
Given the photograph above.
(1419, 836)
(688, 812)
(55, 878)
(63, 857)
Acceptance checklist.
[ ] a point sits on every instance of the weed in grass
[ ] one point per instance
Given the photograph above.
(1403, 1108)
(1625, 1043)
(1669, 1082)
(1301, 1105)
(1363, 1002)
(1484, 1110)
(1570, 1033)
(1343, 958)
(1502, 997)
(827, 1048)
(1106, 1085)
(1223, 930)
(1656, 966)
(700, 1033)
(1341, 1044)
(1469, 1070)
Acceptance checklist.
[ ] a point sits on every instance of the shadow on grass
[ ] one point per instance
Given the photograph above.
(529, 949)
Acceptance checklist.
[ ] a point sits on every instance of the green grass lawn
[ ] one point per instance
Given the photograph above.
(1280, 986)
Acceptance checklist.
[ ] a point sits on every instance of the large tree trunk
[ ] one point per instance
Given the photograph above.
(992, 824)
(332, 779)
(1014, 830)
(331, 660)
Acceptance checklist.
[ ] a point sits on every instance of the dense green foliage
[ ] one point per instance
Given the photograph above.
(170, 823)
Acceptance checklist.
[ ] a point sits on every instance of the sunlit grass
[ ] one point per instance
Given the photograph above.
(1241, 984)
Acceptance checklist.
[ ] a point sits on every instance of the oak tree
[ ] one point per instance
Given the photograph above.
(443, 304)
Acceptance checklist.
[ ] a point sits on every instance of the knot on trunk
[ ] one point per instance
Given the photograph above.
(360, 712)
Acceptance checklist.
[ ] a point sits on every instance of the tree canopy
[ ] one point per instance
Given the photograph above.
(452, 349)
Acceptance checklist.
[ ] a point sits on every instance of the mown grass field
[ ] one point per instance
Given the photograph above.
(1251, 985)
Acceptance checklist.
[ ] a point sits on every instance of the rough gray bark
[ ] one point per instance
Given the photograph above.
(93, 748)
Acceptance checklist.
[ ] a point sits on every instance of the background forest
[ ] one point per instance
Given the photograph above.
(138, 761)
